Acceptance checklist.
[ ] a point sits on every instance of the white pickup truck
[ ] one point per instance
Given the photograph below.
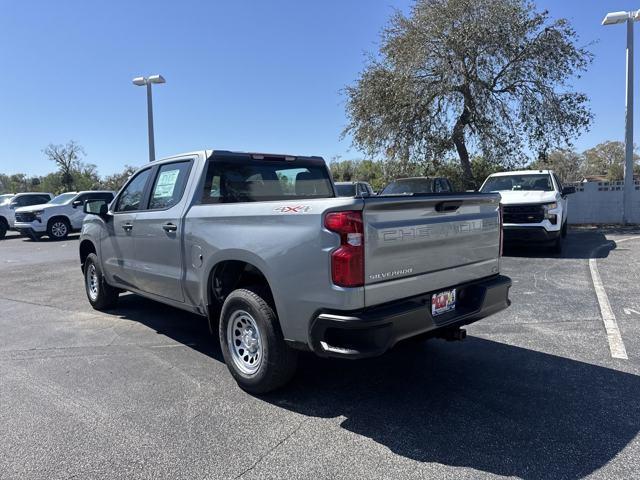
(10, 202)
(58, 217)
(534, 204)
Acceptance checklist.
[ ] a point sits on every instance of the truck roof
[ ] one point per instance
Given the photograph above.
(229, 154)
(520, 172)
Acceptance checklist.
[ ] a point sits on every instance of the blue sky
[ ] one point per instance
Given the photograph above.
(241, 74)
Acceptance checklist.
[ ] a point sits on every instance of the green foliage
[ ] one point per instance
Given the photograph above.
(607, 158)
(486, 75)
(565, 162)
(117, 180)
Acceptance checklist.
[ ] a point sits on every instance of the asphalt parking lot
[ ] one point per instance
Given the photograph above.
(142, 392)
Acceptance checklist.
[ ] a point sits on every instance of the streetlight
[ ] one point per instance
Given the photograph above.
(140, 81)
(614, 18)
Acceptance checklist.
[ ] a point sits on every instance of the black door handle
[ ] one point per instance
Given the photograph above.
(169, 227)
(127, 227)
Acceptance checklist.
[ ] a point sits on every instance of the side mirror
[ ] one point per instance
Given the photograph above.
(12, 205)
(76, 203)
(96, 207)
(568, 190)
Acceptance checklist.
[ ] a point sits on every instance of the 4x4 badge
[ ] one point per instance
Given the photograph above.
(293, 209)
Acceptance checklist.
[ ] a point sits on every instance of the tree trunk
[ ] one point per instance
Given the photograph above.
(461, 147)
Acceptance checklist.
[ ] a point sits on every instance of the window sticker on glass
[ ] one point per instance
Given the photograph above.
(166, 184)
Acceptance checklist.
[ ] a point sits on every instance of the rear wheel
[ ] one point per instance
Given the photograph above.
(101, 295)
(58, 228)
(252, 343)
(3, 228)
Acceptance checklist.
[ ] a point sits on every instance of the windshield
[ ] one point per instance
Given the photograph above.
(5, 199)
(62, 198)
(413, 185)
(538, 182)
(346, 190)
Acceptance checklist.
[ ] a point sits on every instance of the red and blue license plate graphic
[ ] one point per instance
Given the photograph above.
(443, 302)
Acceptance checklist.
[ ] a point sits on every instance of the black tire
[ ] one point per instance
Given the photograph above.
(3, 229)
(564, 230)
(557, 245)
(58, 228)
(275, 362)
(104, 296)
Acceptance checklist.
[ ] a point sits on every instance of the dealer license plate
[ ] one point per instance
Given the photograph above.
(443, 302)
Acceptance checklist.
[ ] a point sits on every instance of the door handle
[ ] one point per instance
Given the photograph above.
(127, 227)
(443, 207)
(169, 227)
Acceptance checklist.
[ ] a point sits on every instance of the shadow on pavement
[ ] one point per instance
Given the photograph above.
(578, 244)
(479, 404)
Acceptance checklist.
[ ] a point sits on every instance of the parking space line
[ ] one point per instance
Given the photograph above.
(616, 345)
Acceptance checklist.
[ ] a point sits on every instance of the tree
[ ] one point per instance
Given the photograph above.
(117, 180)
(566, 163)
(455, 75)
(607, 158)
(68, 159)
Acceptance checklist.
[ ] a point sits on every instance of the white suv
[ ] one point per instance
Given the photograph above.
(10, 202)
(59, 217)
(534, 204)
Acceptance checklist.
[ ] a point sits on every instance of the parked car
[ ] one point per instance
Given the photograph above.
(354, 189)
(59, 217)
(9, 203)
(416, 185)
(261, 243)
(534, 204)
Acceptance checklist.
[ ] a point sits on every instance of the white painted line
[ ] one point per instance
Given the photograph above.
(629, 311)
(616, 345)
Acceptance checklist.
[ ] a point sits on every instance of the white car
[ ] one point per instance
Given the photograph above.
(10, 202)
(59, 217)
(534, 205)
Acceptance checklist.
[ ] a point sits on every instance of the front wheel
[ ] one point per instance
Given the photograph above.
(3, 230)
(58, 229)
(252, 343)
(101, 295)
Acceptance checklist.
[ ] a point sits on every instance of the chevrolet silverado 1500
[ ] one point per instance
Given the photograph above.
(261, 245)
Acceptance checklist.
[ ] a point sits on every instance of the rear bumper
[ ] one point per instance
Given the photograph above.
(530, 234)
(371, 332)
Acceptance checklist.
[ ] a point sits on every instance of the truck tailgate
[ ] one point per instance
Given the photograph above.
(419, 244)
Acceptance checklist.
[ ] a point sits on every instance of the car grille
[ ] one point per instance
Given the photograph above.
(27, 217)
(523, 213)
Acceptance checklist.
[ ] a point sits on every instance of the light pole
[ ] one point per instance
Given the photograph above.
(612, 19)
(140, 81)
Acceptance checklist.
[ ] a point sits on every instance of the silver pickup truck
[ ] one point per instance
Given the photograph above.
(261, 246)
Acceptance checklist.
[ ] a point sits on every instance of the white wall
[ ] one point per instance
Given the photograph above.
(601, 202)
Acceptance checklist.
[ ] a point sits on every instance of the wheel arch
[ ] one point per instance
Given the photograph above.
(229, 274)
(87, 247)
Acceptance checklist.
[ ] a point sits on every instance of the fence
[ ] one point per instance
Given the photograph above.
(602, 202)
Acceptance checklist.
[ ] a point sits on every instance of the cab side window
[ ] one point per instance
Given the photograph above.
(132, 196)
(169, 185)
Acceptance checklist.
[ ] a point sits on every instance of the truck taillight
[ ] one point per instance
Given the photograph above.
(501, 214)
(347, 261)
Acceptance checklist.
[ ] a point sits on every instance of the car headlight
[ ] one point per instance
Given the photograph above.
(552, 217)
(38, 213)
